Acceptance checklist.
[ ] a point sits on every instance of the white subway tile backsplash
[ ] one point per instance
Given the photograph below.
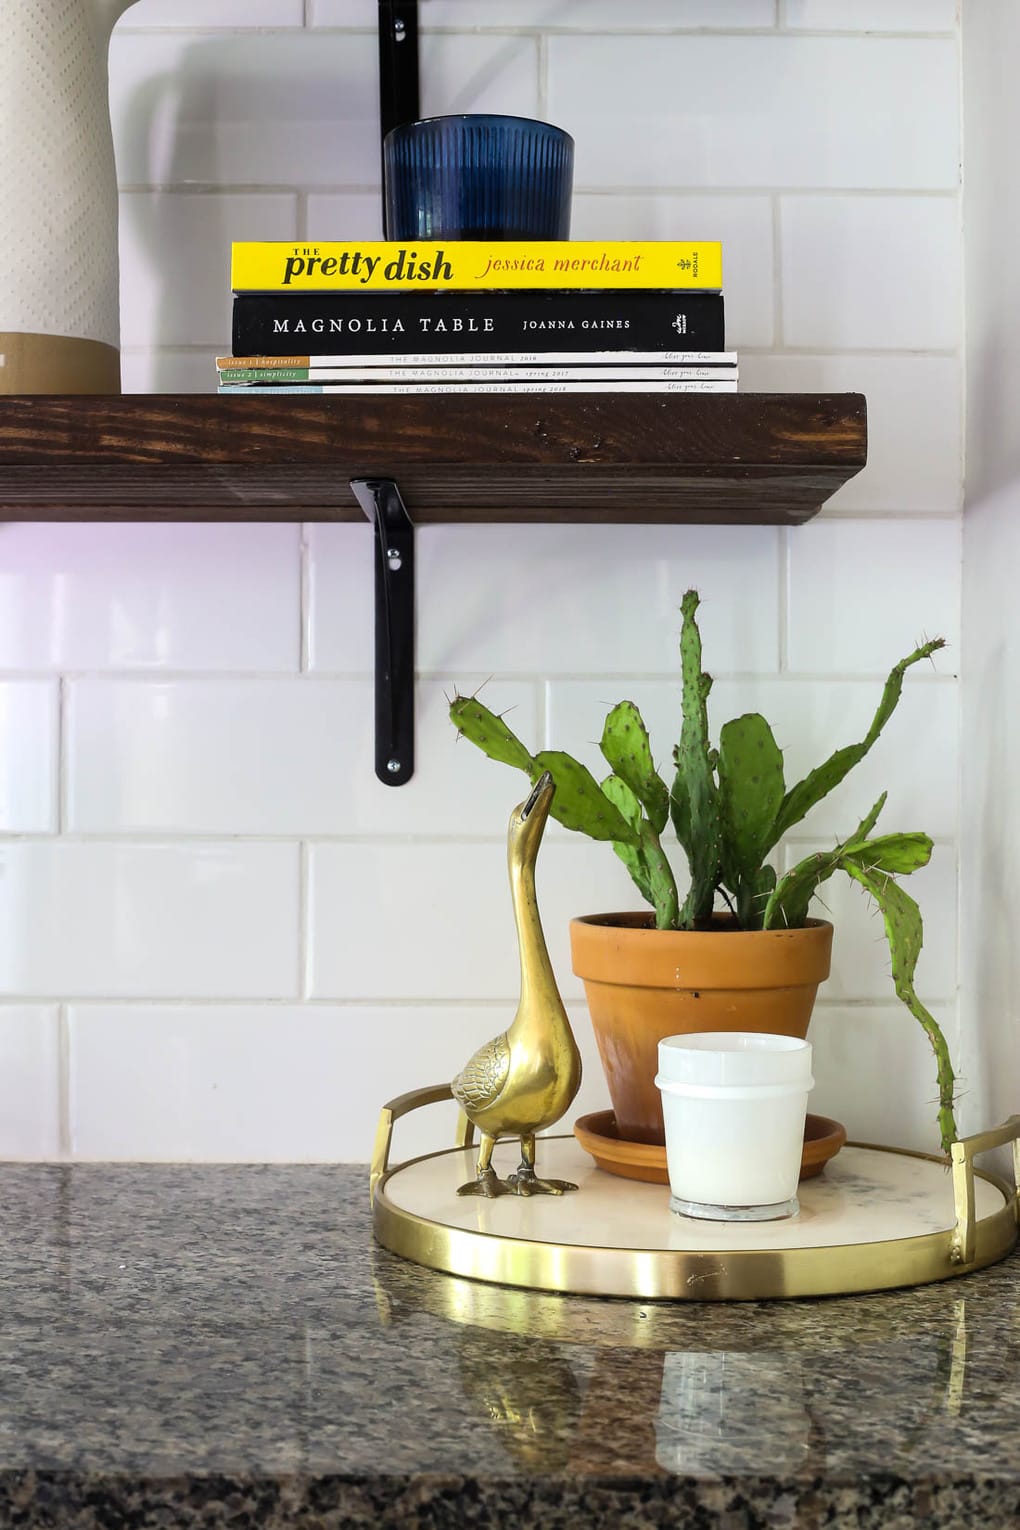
(559, 15)
(340, 611)
(872, 15)
(593, 599)
(286, 757)
(265, 109)
(391, 922)
(598, 15)
(871, 273)
(185, 300)
(346, 13)
(916, 759)
(915, 424)
(861, 967)
(165, 371)
(547, 599)
(862, 594)
(250, 108)
(149, 597)
(243, 1083)
(28, 756)
(29, 1082)
(762, 111)
(647, 15)
(345, 215)
(743, 224)
(874, 1070)
(194, 920)
(476, 73)
(434, 920)
(211, 13)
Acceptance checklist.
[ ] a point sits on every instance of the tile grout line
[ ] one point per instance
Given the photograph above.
(200, 188)
(784, 598)
(359, 1003)
(178, 839)
(63, 1083)
(304, 905)
(304, 601)
(542, 61)
(62, 773)
(778, 315)
(536, 29)
(255, 679)
(544, 710)
(778, 327)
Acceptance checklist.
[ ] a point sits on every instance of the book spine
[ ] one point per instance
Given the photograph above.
(470, 265)
(661, 386)
(507, 322)
(419, 359)
(518, 374)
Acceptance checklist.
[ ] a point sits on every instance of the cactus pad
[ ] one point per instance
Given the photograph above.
(580, 803)
(489, 732)
(627, 750)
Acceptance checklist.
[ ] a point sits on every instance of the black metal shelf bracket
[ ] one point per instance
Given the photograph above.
(394, 627)
(399, 96)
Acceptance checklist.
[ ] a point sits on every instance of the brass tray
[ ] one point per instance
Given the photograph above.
(878, 1218)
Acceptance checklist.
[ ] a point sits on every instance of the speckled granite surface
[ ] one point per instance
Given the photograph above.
(221, 1346)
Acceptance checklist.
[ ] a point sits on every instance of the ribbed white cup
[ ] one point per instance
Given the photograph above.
(734, 1105)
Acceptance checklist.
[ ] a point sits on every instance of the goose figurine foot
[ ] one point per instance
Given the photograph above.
(526, 1182)
(487, 1181)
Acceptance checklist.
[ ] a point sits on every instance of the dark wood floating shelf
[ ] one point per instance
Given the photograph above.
(730, 458)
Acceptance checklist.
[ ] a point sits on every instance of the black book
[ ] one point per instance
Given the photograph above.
(528, 321)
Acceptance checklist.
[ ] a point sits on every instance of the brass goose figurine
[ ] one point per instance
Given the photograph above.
(525, 1079)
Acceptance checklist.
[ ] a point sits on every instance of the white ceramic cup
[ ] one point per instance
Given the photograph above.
(734, 1104)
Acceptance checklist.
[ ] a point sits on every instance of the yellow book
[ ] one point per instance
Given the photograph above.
(474, 265)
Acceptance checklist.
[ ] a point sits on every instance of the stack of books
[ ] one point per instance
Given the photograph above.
(567, 316)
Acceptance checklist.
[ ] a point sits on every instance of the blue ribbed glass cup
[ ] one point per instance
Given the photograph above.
(477, 177)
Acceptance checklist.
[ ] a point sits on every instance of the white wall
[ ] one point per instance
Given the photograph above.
(222, 937)
(990, 809)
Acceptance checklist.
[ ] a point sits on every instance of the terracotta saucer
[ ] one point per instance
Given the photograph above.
(643, 1160)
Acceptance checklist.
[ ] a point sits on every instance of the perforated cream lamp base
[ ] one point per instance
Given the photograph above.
(31, 363)
(59, 286)
(876, 1219)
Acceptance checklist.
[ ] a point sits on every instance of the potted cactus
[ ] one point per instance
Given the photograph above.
(739, 950)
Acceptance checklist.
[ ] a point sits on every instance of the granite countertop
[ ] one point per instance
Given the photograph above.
(221, 1346)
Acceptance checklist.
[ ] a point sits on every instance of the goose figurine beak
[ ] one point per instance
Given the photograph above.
(541, 798)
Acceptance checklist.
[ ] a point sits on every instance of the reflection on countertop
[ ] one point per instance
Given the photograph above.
(225, 1345)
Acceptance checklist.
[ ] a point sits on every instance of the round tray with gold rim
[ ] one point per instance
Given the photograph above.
(878, 1218)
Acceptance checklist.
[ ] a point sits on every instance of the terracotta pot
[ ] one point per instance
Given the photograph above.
(643, 984)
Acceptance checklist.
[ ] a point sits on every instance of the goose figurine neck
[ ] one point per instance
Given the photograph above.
(525, 1079)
